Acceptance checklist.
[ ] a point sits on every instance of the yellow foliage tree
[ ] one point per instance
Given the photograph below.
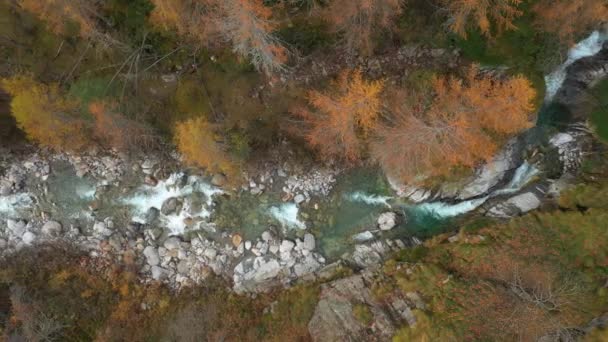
(569, 18)
(59, 13)
(45, 115)
(461, 126)
(343, 117)
(482, 14)
(196, 141)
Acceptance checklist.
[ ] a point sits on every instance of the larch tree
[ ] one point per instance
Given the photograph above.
(60, 14)
(245, 24)
(343, 117)
(459, 126)
(569, 18)
(358, 20)
(114, 130)
(190, 18)
(198, 143)
(45, 115)
(485, 15)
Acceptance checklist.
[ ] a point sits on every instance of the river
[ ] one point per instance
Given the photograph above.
(339, 220)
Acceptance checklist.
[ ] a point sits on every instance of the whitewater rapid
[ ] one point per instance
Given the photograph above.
(585, 48)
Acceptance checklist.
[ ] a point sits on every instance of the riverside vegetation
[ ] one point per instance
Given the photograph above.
(299, 152)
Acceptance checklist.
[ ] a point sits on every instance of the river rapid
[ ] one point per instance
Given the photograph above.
(340, 209)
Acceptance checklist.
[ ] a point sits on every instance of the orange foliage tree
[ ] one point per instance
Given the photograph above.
(358, 20)
(197, 142)
(482, 14)
(246, 24)
(187, 17)
(113, 130)
(569, 18)
(342, 117)
(45, 115)
(59, 14)
(459, 126)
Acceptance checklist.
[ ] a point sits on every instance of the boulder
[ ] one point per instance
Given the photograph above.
(159, 273)
(387, 221)
(516, 205)
(100, 228)
(309, 242)
(17, 228)
(28, 238)
(364, 236)
(52, 228)
(172, 243)
(286, 246)
(299, 198)
(169, 206)
(151, 254)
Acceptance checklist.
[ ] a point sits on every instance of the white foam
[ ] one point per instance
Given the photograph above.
(287, 215)
(446, 210)
(363, 197)
(11, 203)
(522, 176)
(147, 197)
(585, 48)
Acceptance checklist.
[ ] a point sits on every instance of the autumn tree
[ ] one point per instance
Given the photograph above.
(60, 14)
(459, 126)
(343, 117)
(45, 114)
(569, 18)
(359, 20)
(198, 143)
(114, 130)
(245, 24)
(485, 15)
(189, 18)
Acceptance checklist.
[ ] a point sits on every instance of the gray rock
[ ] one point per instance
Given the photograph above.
(364, 236)
(3, 244)
(286, 246)
(309, 242)
(493, 172)
(17, 228)
(210, 253)
(307, 266)
(152, 215)
(169, 206)
(159, 273)
(52, 228)
(172, 243)
(5, 188)
(151, 254)
(101, 229)
(387, 221)
(516, 205)
(28, 238)
(183, 267)
(299, 198)
(267, 236)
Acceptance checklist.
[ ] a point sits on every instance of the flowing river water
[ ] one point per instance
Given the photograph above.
(346, 216)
